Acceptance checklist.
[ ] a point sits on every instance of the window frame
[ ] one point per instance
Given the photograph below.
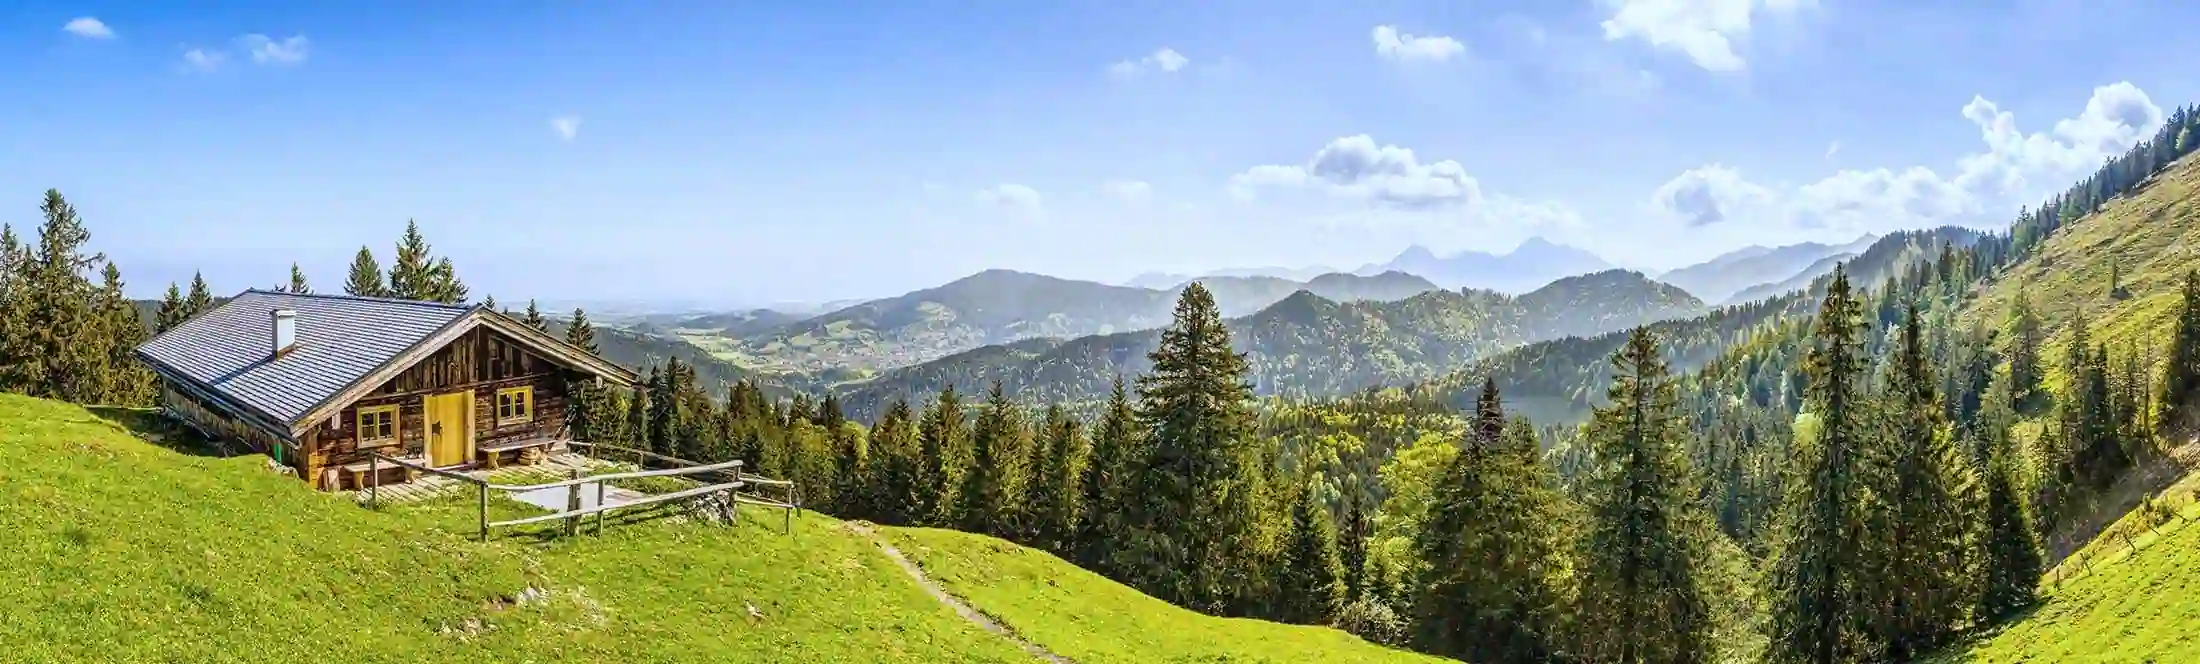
(359, 421)
(523, 398)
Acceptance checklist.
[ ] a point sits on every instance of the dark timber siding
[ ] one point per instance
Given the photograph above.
(483, 361)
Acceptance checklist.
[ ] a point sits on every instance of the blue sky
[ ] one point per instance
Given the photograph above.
(754, 152)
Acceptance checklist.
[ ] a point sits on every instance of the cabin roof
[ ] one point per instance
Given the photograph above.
(345, 346)
(340, 339)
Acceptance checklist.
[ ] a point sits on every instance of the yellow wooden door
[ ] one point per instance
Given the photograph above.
(450, 428)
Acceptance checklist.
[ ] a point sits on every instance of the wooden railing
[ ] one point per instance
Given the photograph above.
(732, 480)
(789, 502)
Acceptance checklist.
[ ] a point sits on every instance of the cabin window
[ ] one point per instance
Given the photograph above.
(377, 426)
(515, 405)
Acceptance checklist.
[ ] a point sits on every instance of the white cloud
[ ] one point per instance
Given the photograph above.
(567, 126)
(1012, 196)
(1833, 149)
(1129, 191)
(1166, 61)
(1402, 47)
(1705, 30)
(1984, 188)
(265, 50)
(202, 60)
(88, 28)
(1356, 166)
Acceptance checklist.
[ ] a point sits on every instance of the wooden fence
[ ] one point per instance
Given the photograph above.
(730, 482)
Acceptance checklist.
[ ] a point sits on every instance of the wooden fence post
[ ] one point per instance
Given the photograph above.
(733, 498)
(599, 507)
(573, 504)
(484, 511)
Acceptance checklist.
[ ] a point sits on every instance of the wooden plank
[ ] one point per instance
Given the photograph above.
(652, 500)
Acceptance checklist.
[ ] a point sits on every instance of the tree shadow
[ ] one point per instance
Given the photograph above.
(150, 425)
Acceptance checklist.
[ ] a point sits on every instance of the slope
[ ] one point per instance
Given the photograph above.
(1092, 620)
(1305, 345)
(128, 551)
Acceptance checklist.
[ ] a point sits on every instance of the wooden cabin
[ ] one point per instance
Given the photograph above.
(317, 382)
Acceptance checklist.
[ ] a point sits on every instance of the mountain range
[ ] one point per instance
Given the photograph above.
(1531, 265)
(1722, 278)
(1305, 344)
(994, 307)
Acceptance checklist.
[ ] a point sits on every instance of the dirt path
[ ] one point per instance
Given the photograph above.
(940, 593)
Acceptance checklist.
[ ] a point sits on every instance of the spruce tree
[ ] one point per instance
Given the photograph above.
(1642, 576)
(170, 313)
(446, 286)
(1822, 611)
(942, 440)
(1924, 586)
(1115, 453)
(298, 281)
(851, 463)
(412, 273)
(14, 315)
(365, 278)
(199, 300)
(2012, 563)
(2181, 373)
(534, 318)
(987, 500)
(580, 332)
(2026, 373)
(1352, 537)
(126, 382)
(1053, 495)
(1309, 587)
(490, 303)
(65, 346)
(637, 414)
(894, 457)
(1487, 551)
(1192, 518)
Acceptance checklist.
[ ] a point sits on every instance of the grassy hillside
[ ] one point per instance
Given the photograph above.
(1092, 620)
(124, 550)
(2124, 605)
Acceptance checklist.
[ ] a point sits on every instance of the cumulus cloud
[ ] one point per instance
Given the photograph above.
(2013, 170)
(1128, 191)
(269, 51)
(567, 126)
(1012, 196)
(1402, 47)
(202, 60)
(1357, 166)
(1704, 30)
(1166, 61)
(88, 28)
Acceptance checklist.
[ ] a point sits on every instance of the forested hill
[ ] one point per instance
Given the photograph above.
(1305, 345)
(1556, 381)
(1001, 306)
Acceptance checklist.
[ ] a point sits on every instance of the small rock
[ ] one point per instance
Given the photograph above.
(753, 613)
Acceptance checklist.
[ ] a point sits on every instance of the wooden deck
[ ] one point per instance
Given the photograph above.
(554, 468)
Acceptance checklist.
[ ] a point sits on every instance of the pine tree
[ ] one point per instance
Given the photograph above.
(2026, 374)
(1924, 584)
(298, 281)
(2012, 564)
(490, 303)
(446, 285)
(1053, 494)
(1309, 587)
(851, 462)
(198, 301)
(124, 381)
(580, 332)
(942, 440)
(987, 500)
(894, 457)
(1642, 575)
(1115, 453)
(1192, 519)
(14, 314)
(534, 317)
(412, 274)
(2181, 374)
(171, 310)
(1352, 537)
(1488, 550)
(65, 347)
(1821, 606)
(365, 279)
(638, 408)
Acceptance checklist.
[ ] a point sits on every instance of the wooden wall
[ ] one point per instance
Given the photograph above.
(483, 361)
(215, 422)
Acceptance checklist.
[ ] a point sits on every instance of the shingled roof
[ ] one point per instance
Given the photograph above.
(342, 340)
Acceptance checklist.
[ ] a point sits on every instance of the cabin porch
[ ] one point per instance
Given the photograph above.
(488, 456)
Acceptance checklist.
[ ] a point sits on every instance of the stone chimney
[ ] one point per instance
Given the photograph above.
(286, 331)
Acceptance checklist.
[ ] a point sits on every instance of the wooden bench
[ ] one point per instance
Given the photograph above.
(359, 470)
(492, 453)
